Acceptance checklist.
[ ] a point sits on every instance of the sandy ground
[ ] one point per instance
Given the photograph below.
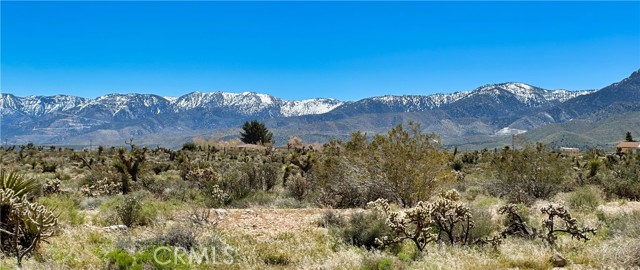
(266, 223)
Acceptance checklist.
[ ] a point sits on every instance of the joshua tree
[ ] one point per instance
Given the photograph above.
(128, 165)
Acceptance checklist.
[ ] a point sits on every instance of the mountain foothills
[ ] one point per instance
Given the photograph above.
(484, 117)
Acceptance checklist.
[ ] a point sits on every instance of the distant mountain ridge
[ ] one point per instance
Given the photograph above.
(522, 95)
(473, 117)
(250, 103)
(246, 103)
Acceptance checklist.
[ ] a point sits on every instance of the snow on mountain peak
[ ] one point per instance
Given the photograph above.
(529, 95)
(248, 103)
(309, 106)
(39, 105)
(251, 103)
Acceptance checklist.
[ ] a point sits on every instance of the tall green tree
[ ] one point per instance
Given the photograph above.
(628, 137)
(255, 132)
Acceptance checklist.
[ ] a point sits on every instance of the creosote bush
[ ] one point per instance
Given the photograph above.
(623, 180)
(135, 210)
(176, 236)
(403, 166)
(522, 176)
(299, 186)
(584, 198)
(129, 210)
(362, 230)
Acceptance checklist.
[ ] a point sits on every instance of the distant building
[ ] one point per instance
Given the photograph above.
(250, 147)
(629, 147)
(568, 151)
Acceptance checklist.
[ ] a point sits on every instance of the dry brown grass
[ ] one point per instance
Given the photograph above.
(291, 239)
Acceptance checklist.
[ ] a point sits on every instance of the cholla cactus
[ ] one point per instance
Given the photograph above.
(218, 196)
(23, 225)
(104, 186)
(515, 224)
(202, 176)
(413, 224)
(452, 217)
(570, 225)
(445, 215)
(51, 186)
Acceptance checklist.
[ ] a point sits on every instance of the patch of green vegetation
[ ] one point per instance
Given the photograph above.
(66, 206)
(584, 198)
(363, 228)
(156, 257)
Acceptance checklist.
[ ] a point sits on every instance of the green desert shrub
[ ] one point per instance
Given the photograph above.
(131, 210)
(484, 227)
(622, 225)
(624, 179)
(472, 192)
(66, 206)
(330, 219)
(363, 228)
(176, 236)
(119, 259)
(236, 183)
(405, 166)
(378, 262)
(273, 257)
(298, 187)
(144, 259)
(584, 198)
(522, 176)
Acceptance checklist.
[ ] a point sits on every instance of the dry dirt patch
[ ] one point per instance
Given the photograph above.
(268, 223)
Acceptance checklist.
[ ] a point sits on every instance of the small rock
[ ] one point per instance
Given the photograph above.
(221, 213)
(116, 228)
(558, 261)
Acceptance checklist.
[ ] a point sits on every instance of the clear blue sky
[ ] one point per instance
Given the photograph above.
(297, 50)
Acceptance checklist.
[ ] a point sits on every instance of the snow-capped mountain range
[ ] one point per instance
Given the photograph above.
(527, 95)
(246, 103)
(250, 104)
(464, 117)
